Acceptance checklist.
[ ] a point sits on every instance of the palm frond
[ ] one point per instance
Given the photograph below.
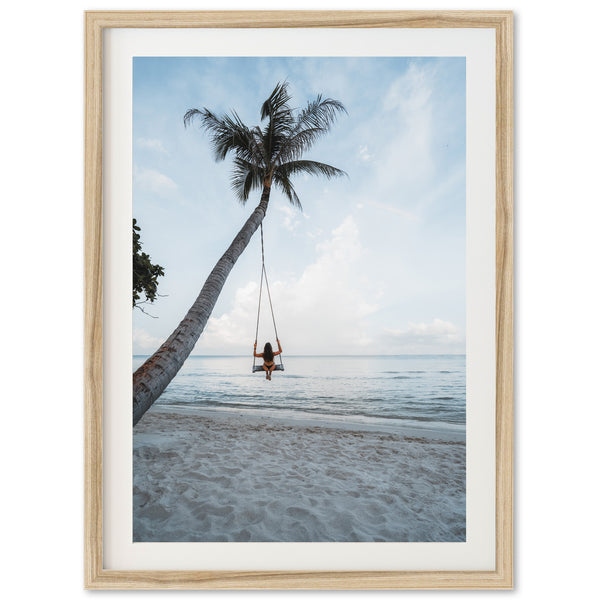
(298, 143)
(276, 102)
(311, 123)
(310, 167)
(320, 113)
(228, 133)
(283, 182)
(281, 119)
(246, 177)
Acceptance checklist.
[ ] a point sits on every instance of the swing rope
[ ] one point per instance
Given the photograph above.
(263, 276)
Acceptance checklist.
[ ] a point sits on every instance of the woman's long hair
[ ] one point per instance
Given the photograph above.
(268, 352)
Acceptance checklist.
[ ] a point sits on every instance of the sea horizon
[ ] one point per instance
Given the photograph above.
(425, 390)
(319, 355)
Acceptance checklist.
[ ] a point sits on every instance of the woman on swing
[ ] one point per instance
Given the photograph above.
(268, 357)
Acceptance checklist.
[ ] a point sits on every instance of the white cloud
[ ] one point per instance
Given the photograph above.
(151, 144)
(436, 337)
(320, 312)
(364, 154)
(291, 216)
(153, 181)
(412, 91)
(408, 109)
(144, 343)
(234, 330)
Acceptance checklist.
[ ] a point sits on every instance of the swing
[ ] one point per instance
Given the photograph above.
(263, 275)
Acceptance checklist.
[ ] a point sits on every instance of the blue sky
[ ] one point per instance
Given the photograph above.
(374, 264)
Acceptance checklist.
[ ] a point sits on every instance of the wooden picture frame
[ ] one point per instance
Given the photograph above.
(96, 576)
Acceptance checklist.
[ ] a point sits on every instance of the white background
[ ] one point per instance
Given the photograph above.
(556, 277)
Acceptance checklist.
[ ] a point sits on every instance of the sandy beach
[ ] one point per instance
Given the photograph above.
(202, 476)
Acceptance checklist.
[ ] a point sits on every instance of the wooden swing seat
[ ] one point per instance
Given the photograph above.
(257, 368)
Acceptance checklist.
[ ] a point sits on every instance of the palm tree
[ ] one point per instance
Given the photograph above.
(262, 157)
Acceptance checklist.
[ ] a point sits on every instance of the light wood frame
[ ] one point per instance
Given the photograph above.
(96, 577)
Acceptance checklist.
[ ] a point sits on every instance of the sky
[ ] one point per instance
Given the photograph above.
(373, 264)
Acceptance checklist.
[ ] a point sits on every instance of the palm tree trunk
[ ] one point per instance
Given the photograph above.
(150, 380)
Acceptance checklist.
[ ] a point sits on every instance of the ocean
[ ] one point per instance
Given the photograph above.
(418, 391)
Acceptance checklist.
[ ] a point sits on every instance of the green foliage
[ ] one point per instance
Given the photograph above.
(271, 153)
(145, 274)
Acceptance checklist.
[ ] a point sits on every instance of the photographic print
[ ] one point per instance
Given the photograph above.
(299, 299)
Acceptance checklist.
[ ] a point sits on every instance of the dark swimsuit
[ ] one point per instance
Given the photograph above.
(271, 365)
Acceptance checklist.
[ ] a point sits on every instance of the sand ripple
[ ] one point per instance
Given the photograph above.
(232, 478)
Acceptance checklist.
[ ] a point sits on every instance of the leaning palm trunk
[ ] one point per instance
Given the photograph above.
(150, 380)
